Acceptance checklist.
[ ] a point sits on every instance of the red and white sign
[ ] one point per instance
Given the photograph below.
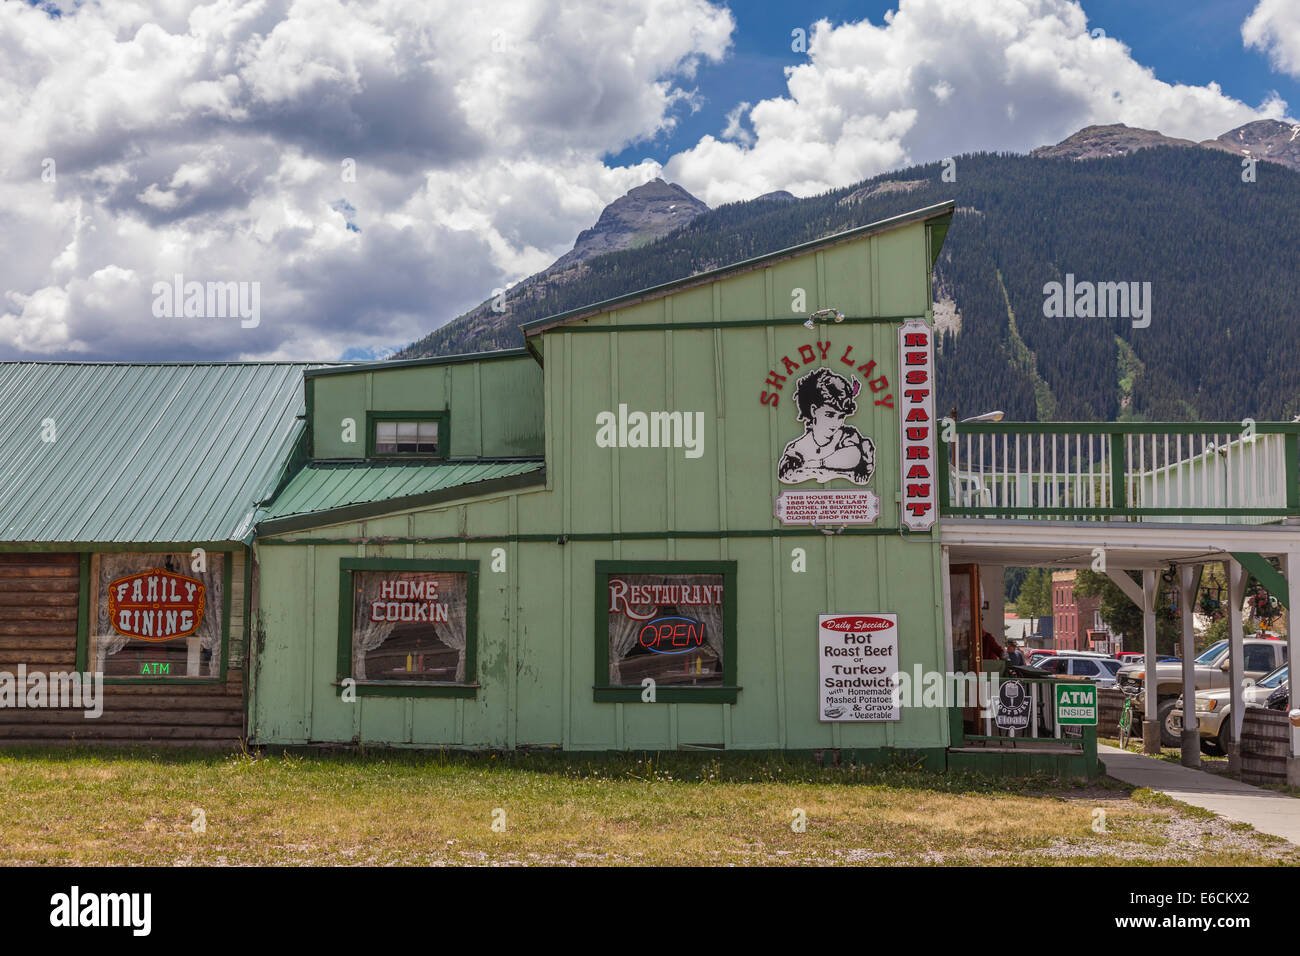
(155, 605)
(857, 667)
(918, 461)
(827, 507)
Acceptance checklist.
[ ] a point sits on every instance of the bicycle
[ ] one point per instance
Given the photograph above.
(1126, 716)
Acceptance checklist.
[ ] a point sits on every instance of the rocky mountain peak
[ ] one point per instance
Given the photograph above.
(1268, 139)
(640, 216)
(1103, 142)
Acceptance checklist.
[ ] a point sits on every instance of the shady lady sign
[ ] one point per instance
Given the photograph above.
(829, 450)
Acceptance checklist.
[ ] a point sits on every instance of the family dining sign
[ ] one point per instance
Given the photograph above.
(156, 605)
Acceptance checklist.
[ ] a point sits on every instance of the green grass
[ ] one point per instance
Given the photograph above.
(136, 807)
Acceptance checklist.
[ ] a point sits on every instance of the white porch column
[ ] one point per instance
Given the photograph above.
(1236, 713)
(1150, 724)
(1145, 599)
(1189, 578)
(1291, 568)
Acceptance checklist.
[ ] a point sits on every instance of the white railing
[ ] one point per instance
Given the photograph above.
(1148, 472)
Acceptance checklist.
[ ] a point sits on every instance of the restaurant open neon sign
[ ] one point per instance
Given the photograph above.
(671, 635)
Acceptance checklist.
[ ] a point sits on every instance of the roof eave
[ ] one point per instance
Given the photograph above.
(372, 509)
(925, 214)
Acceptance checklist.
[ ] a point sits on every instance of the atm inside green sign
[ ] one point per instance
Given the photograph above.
(1076, 704)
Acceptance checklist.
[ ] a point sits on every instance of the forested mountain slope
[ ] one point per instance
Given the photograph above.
(1221, 256)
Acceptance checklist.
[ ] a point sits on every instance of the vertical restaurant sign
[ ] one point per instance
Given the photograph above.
(857, 667)
(917, 425)
(155, 605)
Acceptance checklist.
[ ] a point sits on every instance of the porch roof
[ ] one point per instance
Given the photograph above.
(1130, 546)
(329, 492)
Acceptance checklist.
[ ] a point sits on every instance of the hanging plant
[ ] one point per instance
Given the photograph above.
(1212, 602)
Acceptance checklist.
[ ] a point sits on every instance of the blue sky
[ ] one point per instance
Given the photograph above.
(1184, 41)
(378, 168)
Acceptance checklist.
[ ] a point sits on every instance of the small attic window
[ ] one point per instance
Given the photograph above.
(408, 434)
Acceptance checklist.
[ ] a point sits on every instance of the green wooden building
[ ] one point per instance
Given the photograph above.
(725, 513)
(632, 525)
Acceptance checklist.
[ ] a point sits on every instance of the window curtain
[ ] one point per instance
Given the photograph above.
(214, 601)
(708, 614)
(111, 567)
(622, 638)
(454, 589)
(623, 630)
(366, 634)
(106, 641)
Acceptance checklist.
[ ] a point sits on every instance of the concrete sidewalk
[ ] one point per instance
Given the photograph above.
(1266, 810)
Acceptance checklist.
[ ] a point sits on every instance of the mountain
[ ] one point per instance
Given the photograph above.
(1104, 142)
(1273, 140)
(636, 218)
(1263, 139)
(642, 215)
(1219, 254)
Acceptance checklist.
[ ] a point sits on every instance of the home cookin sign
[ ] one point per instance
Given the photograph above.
(408, 599)
(155, 605)
(858, 661)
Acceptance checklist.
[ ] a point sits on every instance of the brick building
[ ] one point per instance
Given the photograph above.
(1075, 621)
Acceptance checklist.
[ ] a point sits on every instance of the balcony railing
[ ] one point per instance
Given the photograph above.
(1136, 471)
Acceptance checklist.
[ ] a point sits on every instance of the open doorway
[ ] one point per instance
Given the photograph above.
(967, 631)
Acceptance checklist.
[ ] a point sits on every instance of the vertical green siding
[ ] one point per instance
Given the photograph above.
(536, 647)
(496, 405)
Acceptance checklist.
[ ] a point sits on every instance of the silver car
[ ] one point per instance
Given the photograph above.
(1100, 670)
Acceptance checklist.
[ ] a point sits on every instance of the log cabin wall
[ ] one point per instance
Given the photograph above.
(39, 611)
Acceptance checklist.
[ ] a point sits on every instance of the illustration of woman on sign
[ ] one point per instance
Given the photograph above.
(829, 448)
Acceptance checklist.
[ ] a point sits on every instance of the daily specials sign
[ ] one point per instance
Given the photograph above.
(155, 605)
(858, 655)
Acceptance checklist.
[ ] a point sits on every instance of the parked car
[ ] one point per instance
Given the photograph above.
(1047, 655)
(1101, 670)
(1137, 657)
(1214, 709)
(1210, 671)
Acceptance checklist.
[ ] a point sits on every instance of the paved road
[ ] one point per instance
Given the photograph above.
(1266, 810)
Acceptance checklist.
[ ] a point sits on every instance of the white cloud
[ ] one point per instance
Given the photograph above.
(938, 78)
(1273, 27)
(735, 125)
(210, 140)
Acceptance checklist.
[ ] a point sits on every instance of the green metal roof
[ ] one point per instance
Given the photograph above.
(325, 492)
(143, 453)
